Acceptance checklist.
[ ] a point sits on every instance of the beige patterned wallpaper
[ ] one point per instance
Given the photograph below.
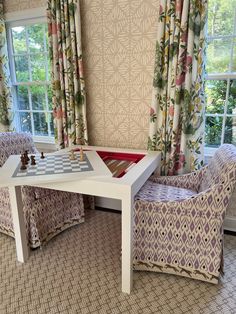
(119, 41)
(17, 5)
(118, 44)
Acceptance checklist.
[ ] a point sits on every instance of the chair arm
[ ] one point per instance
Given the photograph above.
(214, 200)
(189, 181)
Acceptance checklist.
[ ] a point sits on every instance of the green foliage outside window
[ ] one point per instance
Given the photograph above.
(221, 58)
(30, 57)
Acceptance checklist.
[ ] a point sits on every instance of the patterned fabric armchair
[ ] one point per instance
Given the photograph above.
(178, 220)
(47, 212)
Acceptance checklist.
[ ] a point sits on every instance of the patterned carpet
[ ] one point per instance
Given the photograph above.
(79, 272)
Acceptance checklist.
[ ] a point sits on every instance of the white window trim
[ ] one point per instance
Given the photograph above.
(31, 16)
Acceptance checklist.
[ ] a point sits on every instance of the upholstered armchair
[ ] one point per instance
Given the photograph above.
(178, 221)
(47, 212)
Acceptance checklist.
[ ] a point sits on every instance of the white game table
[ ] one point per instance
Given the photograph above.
(98, 183)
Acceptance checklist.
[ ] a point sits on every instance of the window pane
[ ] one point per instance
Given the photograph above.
(221, 17)
(215, 96)
(38, 97)
(38, 70)
(47, 40)
(21, 66)
(36, 38)
(40, 124)
(230, 130)
(22, 97)
(213, 131)
(49, 69)
(232, 98)
(25, 122)
(52, 124)
(233, 65)
(218, 56)
(31, 63)
(49, 98)
(19, 39)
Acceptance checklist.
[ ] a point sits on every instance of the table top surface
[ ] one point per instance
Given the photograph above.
(11, 175)
(100, 172)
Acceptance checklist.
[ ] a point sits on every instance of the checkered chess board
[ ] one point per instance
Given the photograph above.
(54, 164)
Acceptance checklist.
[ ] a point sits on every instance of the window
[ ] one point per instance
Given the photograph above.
(30, 74)
(220, 117)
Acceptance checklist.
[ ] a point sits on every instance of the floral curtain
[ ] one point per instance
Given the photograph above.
(69, 101)
(5, 92)
(176, 115)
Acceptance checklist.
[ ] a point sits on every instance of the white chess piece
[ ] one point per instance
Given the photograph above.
(72, 155)
(81, 154)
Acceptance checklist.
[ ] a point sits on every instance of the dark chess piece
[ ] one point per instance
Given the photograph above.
(22, 158)
(42, 156)
(26, 158)
(23, 163)
(33, 162)
(26, 155)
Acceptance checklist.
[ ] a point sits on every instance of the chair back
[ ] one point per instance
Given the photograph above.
(13, 143)
(221, 168)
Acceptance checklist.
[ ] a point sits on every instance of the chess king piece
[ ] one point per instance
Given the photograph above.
(26, 157)
(42, 156)
(81, 154)
(33, 162)
(72, 155)
(23, 162)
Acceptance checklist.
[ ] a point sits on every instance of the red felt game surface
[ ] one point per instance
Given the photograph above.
(119, 163)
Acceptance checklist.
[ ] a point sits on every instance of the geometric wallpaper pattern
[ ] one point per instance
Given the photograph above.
(17, 5)
(119, 42)
(118, 39)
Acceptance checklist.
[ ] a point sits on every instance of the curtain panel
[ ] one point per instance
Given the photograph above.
(176, 113)
(5, 91)
(69, 99)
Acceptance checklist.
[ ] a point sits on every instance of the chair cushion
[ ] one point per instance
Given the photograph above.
(155, 192)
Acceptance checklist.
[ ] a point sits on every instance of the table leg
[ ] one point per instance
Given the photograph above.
(22, 249)
(127, 239)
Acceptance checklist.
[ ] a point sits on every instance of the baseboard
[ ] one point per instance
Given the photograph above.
(230, 224)
(233, 233)
(115, 205)
(115, 211)
(108, 203)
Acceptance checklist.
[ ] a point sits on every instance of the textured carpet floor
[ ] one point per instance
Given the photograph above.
(79, 272)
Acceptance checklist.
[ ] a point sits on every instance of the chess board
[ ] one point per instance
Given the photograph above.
(54, 164)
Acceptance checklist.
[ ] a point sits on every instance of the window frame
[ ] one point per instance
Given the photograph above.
(25, 22)
(226, 76)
